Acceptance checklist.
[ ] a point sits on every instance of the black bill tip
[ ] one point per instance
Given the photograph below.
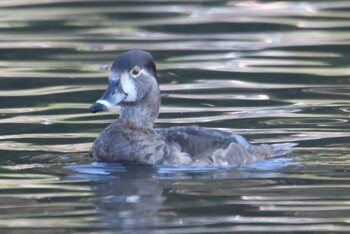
(96, 107)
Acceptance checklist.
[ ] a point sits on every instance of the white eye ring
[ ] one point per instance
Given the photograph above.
(135, 71)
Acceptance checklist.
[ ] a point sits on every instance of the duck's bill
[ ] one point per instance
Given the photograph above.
(112, 97)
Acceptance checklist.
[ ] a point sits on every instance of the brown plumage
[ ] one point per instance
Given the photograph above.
(132, 139)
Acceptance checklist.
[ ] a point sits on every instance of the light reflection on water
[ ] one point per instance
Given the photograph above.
(272, 71)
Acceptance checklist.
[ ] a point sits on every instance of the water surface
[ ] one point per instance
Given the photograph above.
(273, 71)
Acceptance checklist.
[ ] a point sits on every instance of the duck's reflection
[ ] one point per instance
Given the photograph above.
(126, 196)
(142, 197)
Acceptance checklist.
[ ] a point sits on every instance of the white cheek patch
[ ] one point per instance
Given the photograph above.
(128, 87)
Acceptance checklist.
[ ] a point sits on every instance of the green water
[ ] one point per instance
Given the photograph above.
(270, 71)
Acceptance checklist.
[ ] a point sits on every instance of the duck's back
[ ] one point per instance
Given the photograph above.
(122, 141)
(200, 142)
(208, 146)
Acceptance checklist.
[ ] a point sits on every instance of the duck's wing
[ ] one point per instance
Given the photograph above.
(200, 142)
(214, 147)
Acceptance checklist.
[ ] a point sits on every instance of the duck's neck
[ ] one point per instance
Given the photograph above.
(144, 113)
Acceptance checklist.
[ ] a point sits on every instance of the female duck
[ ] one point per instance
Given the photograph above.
(133, 85)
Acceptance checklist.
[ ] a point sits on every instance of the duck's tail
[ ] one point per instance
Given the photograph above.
(236, 154)
(282, 148)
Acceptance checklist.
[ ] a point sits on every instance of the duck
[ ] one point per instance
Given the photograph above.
(132, 138)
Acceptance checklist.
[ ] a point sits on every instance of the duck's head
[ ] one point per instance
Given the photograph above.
(132, 84)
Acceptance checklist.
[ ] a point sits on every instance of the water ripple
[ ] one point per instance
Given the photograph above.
(270, 70)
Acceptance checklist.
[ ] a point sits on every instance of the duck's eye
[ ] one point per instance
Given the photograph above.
(135, 71)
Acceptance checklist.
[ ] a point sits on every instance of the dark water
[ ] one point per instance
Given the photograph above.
(271, 71)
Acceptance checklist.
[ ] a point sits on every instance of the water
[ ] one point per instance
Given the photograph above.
(271, 71)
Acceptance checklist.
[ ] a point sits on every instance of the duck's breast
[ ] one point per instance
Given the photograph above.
(124, 142)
